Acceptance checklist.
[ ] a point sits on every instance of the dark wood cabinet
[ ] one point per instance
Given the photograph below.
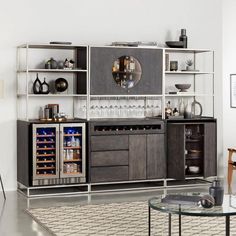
(127, 150)
(191, 149)
(137, 157)
(101, 77)
(156, 160)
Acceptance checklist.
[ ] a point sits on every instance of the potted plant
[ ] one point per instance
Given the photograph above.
(189, 64)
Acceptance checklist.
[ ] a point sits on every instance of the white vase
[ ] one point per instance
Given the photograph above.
(181, 107)
(188, 111)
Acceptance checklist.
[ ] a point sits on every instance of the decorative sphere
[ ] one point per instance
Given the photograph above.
(61, 85)
(207, 201)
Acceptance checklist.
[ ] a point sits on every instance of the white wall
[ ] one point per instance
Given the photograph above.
(96, 22)
(229, 67)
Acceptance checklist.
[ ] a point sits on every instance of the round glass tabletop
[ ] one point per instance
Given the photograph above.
(228, 207)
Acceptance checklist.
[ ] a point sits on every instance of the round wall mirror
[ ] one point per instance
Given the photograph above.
(126, 71)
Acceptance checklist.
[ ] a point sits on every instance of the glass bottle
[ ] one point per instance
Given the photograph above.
(181, 107)
(132, 64)
(183, 37)
(168, 110)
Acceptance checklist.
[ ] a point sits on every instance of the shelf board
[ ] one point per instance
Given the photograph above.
(125, 95)
(45, 149)
(126, 72)
(189, 72)
(42, 162)
(73, 173)
(189, 95)
(45, 142)
(193, 140)
(187, 50)
(51, 46)
(68, 148)
(52, 70)
(45, 155)
(46, 174)
(46, 168)
(74, 160)
(70, 135)
(193, 158)
(45, 136)
(50, 95)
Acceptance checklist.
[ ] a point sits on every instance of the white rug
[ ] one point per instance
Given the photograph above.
(130, 218)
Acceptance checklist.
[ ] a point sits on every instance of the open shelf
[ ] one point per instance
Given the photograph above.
(188, 72)
(52, 70)
(187, 50)
(51, 46)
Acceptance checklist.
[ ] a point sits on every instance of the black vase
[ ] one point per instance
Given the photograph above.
(37, 86)
(217, 191)
(44, 87)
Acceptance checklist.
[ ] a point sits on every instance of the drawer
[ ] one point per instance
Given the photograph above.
(110, 142)
(110, 158)
(109, 174)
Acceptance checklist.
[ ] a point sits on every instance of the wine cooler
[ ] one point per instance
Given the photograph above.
(58, 153)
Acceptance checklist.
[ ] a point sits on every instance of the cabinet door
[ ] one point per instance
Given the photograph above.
(210, 157)
(137, 157)
(156, 162)
(72, 150)
(45, 151)
(176, 151)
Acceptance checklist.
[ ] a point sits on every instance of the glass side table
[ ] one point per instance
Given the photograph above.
(227, 209)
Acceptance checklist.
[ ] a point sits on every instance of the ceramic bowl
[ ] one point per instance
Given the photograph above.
(175, 44)
(194, 169)
(183, 87)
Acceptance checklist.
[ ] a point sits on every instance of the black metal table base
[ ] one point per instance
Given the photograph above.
(227, 224)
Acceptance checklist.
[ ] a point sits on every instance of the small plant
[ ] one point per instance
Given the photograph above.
(189, 62)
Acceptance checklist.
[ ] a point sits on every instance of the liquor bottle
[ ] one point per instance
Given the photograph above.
(183, 37)
(132, 64)
(168, 110)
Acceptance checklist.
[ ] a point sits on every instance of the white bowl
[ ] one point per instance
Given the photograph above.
(194, 169)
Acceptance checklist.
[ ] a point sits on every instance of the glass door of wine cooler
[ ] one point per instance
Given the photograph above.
(45, 151)
(72, 150)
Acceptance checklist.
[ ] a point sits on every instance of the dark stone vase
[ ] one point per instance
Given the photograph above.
(37, 86)
(217, 191)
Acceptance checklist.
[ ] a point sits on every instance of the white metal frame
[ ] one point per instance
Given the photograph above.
(88, 96)
(195, 73)
(28, 70)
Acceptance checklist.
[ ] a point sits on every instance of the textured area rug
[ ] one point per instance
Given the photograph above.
(130, 218)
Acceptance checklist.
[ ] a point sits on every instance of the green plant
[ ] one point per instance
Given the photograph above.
(189, 62)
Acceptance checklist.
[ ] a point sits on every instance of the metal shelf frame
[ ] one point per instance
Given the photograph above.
(195, 75)
(162, 97)
(27, 95)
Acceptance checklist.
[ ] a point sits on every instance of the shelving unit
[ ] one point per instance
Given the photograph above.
(203, 72)
(31, 59)
(82, 102)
